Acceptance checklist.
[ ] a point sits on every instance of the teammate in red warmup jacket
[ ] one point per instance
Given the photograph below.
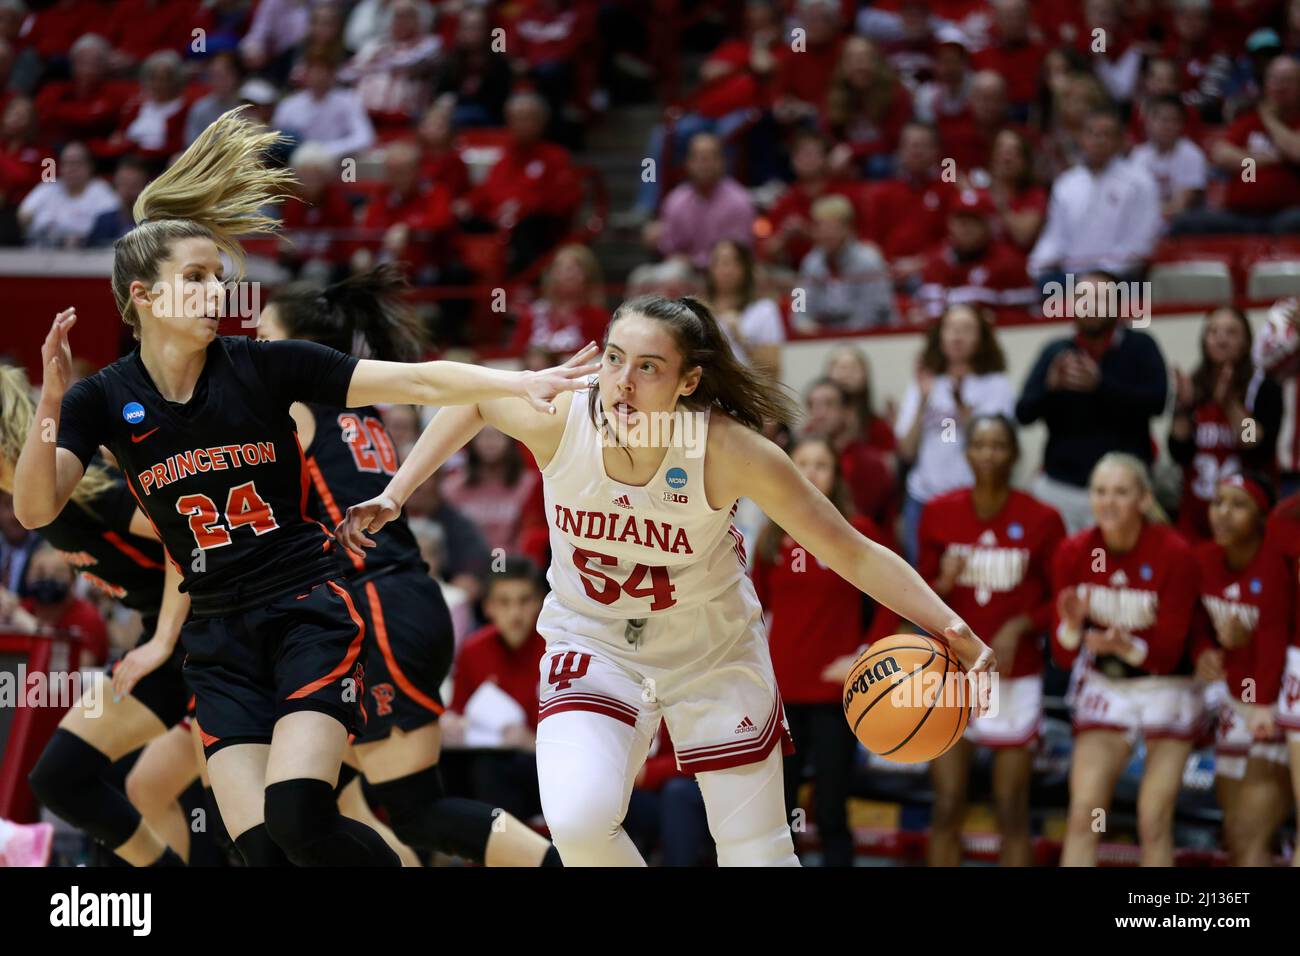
(814, 617)
(987, 550)
(1284, 535)
(1240, 645)
(1125, 593)
(1209, 436)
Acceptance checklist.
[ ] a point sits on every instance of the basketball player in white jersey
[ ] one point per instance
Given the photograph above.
(651, 614)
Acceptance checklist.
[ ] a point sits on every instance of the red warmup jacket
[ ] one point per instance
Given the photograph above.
(485, 657)
(1008, 566)
(540, 178)
(1150, 592)
(1283, 535)
(907, 219)
(1260, 594)
(814, 616)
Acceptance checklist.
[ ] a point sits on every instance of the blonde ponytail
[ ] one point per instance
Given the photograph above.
(17, 410)
(216, 190)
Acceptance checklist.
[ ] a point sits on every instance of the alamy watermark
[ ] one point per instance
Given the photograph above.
(1118, 300)
(239, 299)
(679, 428)
(59, 689)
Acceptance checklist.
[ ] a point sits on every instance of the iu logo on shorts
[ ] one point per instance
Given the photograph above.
(568, 667)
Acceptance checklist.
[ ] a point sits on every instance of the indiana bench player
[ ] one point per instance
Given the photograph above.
(350, 457)
(200, 425)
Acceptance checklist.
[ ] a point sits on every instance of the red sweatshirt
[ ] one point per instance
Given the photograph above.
(814, 616)
(906, 218)
(1283, 535)
(1149, 592)
(485, 657)
(1260, 596)
(540, 178)
(1008, 566)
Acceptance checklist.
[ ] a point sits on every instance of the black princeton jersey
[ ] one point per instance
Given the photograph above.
(350, 459)
(222, 476)
(96, 539)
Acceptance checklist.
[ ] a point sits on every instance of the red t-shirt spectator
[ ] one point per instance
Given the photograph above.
(20, 170)
(996, 279)
(807, 75)
(737, 89)
(82, 617)
(57, 27)
(866, 471)
(67, 113)
(319, 230)
(814, 617)
(1020, 64)
(795, 205)
(907, 218)
(142, 27)
(556, 329)
(1284, 537)
(1149, 592)
(446, 169)
(485, 656)
(539, 180)
(1276, 185)
(1260, 595)
(427, 210)
(1008, 566)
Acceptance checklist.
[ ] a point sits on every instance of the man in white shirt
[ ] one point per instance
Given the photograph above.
(1104, 213)
(326, 114)
(1177, 165)
(62, 212)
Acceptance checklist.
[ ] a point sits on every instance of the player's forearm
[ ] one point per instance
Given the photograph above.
(893, 582)
(457, 383)
(451, 429)
(36, 492)
(175, 609)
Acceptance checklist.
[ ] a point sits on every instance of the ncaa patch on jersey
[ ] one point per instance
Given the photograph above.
(133, 412)
(676, 477)
(1015, 531)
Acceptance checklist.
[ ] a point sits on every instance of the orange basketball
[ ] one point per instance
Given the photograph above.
(906, 698)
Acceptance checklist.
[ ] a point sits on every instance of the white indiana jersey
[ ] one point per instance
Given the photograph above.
(631, 552)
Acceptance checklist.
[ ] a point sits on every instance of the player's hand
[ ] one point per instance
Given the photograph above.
(539, 388)
(56, 356)
(1209, 666)
(1100, 642)
(837, 670)
(368, 517)
(1233, 633)
(1262, 721)
(1071, 608)
(140, 662)
(978, 659)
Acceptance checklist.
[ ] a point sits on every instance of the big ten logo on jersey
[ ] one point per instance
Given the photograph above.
(372, 449)
(566, 667)
(383, 695)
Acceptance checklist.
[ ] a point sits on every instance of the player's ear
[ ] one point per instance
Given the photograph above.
(691, 380)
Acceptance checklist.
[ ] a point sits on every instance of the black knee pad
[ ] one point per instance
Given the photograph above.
(258, 849)
(422, 815)
(68, 778)
(302, 817)
(298, 811)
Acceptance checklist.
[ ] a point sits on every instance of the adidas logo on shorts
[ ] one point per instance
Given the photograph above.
(623, 501)
(746, 726)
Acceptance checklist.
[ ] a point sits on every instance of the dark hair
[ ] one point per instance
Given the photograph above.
(827, 382)
(1205, 373)
(514, 463)
(988, 356)
(516, 567)
(997, 419)
(1168, 100)
(1026, 178)
(747, 394)
(1268, 485)
(746, 267)
(769, 539)
(362, 315)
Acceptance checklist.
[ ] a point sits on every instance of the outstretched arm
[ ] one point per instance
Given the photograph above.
(456, 383)
(755, 468)
(45, 475)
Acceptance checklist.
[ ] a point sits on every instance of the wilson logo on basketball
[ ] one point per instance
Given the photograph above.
(884, 668)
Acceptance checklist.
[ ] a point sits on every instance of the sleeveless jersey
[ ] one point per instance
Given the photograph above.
(221, 476)
(631, 552)
(97, 541)
(350, 459)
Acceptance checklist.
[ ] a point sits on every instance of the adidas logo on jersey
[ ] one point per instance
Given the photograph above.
(1233, 591)
(1119, 579)
(746, 726)
(623, 502)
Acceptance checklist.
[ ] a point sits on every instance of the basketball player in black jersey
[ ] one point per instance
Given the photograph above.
(200, 426)
(105, 536)
(410, 643)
